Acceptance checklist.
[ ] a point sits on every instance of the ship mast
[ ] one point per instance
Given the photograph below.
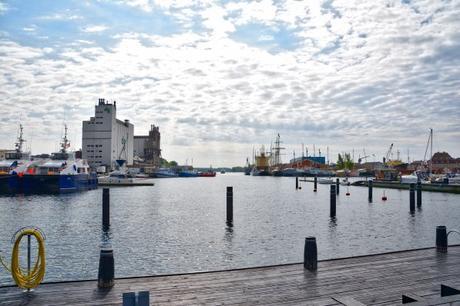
(431, 151)
(65, 141)
(18, 145)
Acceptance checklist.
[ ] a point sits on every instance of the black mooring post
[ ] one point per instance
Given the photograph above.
(106, 208)
(229, 205)
(419, 194)
(296, 182)
(370, 184)
(310, 254)
(337, 184)
(106, 273)
(333, 201)
(441, 239)
(315, 184)
(412, 197)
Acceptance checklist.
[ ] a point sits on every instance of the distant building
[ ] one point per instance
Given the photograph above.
(105, 138)
(147, 148)
(442, 160)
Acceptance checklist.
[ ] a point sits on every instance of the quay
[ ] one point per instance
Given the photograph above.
(397, 185)
(364, 280)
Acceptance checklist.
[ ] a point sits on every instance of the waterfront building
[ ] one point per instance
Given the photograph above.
(105, 138)
(147, 148)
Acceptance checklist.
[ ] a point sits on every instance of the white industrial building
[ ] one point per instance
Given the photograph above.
(105, 138)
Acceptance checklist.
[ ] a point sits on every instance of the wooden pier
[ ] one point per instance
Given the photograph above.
(369, 280)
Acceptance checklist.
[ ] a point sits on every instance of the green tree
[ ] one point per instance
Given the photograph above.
(345, 162)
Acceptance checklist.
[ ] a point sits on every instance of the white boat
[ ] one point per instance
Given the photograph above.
(325, 181)
(117, 177)
(409, 179)
(345, 182)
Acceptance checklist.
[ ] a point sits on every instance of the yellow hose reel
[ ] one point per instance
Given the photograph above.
(33, 276)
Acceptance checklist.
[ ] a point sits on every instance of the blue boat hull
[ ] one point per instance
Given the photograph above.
(33, 184)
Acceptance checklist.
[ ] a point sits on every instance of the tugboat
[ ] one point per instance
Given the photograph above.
(62, 173)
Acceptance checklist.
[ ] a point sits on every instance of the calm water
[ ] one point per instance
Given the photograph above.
(178, 225)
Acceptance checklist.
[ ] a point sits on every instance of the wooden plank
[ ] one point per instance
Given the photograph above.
(373, 280)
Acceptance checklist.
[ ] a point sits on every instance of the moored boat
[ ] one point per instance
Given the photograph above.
(164, 173)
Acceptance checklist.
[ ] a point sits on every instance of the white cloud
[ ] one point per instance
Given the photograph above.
(363, 75)
(94, 28)
(3, 8)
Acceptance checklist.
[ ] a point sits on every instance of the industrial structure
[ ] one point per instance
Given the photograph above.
(147, 148)
(106, 139)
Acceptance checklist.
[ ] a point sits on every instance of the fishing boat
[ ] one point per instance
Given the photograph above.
(13, 166)
(164, 173)
(60, 174)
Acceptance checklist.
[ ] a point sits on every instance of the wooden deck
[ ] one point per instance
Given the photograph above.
(371, 280)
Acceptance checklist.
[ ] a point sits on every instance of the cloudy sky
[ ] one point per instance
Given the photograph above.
(222, 77)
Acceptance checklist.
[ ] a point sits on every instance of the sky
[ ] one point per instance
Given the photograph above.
(222, 78)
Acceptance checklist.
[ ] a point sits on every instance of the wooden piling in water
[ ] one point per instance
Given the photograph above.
(419, 194)
(337, 184)
(315, 184)
(333, 202)
(370, 184)
(296, 182)
(412, 197)
(441, 239)
(106, 274)
(310, 254)
(106, 208)
(229, 205)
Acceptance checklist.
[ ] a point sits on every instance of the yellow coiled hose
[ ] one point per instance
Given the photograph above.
(22, 278)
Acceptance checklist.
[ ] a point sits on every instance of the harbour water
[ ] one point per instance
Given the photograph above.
(178, 225)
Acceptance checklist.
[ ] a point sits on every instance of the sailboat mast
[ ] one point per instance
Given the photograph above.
(431, 151)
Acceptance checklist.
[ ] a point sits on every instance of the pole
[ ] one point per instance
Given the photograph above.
(370, 184)
(419, 194)
(337, 184)
(333, 201)
(412, 197)
(229, 205)
(310, 254)
(441, 239)
(296, 182)
(106, 208)
(315, 183)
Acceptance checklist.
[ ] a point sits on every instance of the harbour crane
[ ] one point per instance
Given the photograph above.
(364, 157)
(387, 156)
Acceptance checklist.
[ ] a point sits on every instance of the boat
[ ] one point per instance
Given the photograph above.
(292, 172)
(209, 173)
(247, 168)
(261, 167)
(188, 173)
(345, 182)
(325, 181)
(222, 171)
(164, 173)
(121, 177)
(62, 173)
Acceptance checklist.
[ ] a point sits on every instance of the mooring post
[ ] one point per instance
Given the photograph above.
(106, 273)
(419, 194)
(370, 184)
(229, 205)
(310, 254)
(296, 182)
(315, 183)
(412, 197)
(106, 208)
(441, 239)
(337, 184)
(333, 201)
